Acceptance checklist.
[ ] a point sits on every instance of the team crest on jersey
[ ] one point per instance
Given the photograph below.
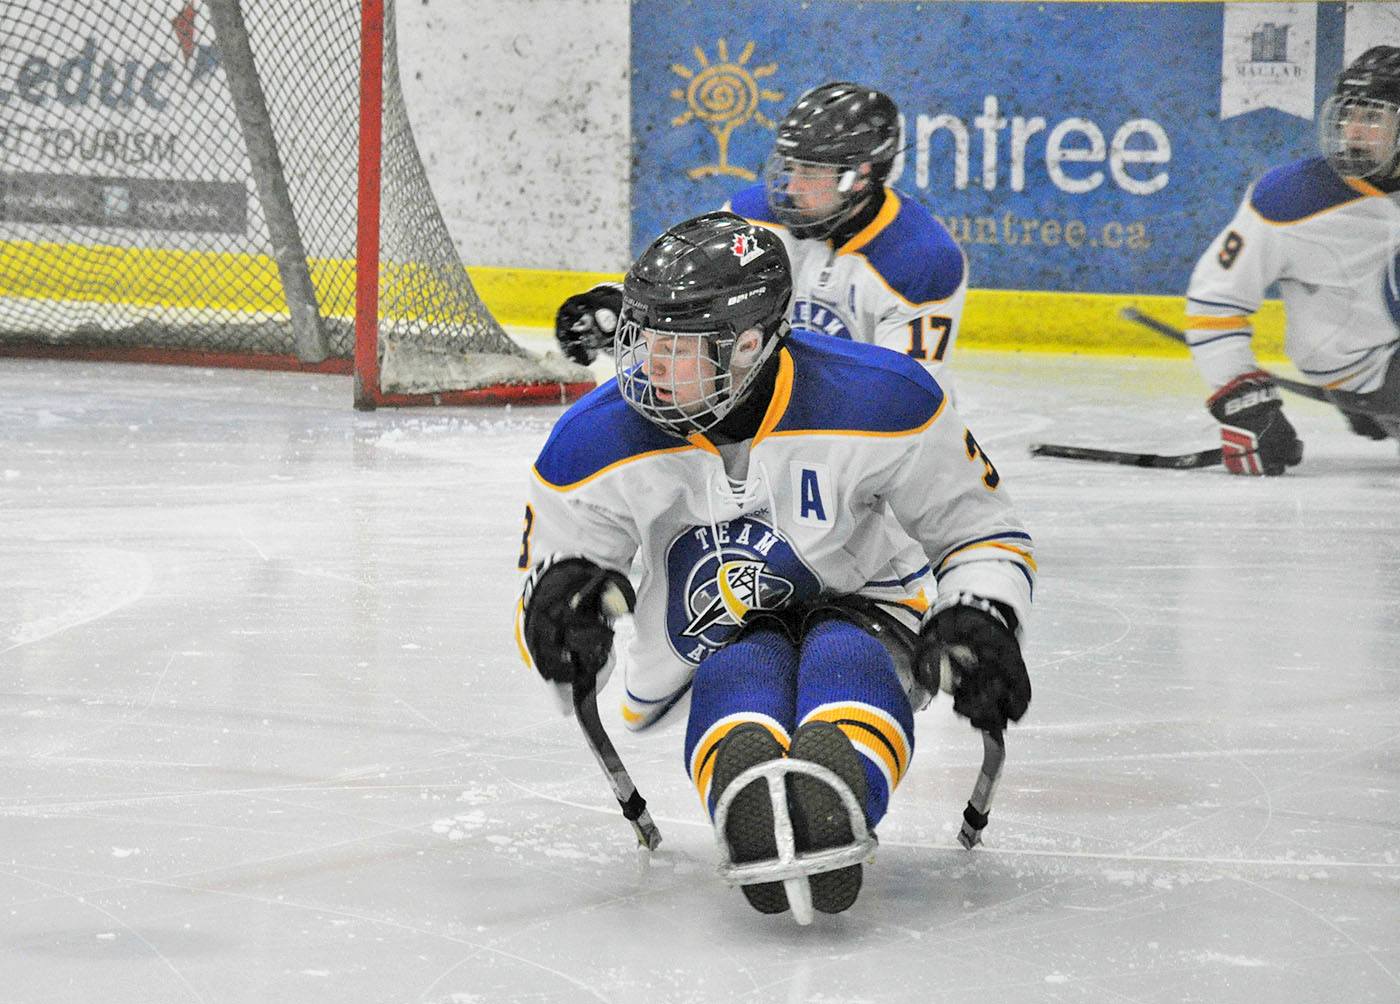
(713, 584)
(745, 248)
(819, 318)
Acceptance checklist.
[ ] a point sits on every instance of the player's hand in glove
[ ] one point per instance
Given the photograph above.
(570, 604)
(1364, 425)
(585, 322)
(1255, 437)
(970, 650)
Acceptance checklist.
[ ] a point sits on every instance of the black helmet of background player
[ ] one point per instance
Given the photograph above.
(833, 149)
(702, 309)
(1360, 123)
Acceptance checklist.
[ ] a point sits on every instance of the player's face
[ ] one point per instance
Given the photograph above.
(1370, 131)
(814, 189)
(680, 370)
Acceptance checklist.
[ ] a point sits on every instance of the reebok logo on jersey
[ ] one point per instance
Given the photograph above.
(745, 248)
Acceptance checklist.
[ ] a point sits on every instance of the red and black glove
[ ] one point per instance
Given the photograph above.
(1255, 437)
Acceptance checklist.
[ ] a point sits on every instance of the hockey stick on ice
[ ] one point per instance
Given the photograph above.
(979, 806)
(1180, 462)
(634, 806)
(1176, 334)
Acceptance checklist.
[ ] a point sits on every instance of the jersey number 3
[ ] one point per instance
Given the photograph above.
(974, 452)
(940, 329)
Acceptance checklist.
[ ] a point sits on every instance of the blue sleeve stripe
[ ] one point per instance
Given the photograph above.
(1221, 304)
(891, 583)
(1008, 535)
(1030, 579)
(1358, 361)
(1216, 338)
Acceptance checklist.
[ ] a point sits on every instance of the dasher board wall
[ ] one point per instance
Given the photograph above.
(1068, 146)
(561, 134)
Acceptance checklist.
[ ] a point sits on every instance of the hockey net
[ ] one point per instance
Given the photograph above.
(229, 183)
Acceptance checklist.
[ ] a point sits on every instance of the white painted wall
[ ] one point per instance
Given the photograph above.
(520, 109)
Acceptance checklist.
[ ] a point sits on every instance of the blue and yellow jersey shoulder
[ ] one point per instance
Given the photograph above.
(1297, 191)
(914, 253)
(752, 204)
(839, 386)
(598, 433)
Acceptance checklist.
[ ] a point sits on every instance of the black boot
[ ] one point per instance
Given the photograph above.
(819, 817)
(749, 826)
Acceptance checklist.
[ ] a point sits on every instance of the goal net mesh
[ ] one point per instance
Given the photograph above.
(132, 213)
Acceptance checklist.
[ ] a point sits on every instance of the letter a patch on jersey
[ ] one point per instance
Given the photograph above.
(812, 494)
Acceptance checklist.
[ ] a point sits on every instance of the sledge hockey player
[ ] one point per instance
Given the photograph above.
(814, 536)
(869, 262)
(1327, 229)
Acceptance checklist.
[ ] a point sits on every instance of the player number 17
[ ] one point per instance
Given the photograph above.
(926, 330)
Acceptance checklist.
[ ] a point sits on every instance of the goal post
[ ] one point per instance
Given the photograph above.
(223, 182)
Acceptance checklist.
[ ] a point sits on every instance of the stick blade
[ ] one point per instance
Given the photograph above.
(1183, 461)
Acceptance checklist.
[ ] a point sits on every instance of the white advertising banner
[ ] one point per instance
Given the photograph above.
(1269, 58)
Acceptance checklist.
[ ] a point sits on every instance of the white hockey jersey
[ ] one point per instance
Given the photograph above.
(900, 282)
(1332, 246)
(860, 479)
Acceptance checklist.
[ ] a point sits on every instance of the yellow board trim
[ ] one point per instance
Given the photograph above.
(995, 319)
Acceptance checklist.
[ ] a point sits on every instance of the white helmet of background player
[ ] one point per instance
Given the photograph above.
(1360, 123)
(702, 309)
(833, 149)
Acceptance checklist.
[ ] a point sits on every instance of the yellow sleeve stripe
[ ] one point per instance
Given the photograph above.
(1023, 555)
(614, 465)
(1231, 323)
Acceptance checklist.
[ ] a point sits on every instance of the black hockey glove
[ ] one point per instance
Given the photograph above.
(985, 672)
(1364, 425)
(585, 322)
(570, 604)
(1255, 437)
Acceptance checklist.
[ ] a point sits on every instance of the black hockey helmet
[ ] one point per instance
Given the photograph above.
(839, 126)
(1359, 128)
(702, 309)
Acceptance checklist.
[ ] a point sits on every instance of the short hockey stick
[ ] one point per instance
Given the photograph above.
(1180, 462)
(979, 806)
(1176, 334)
(634, 806)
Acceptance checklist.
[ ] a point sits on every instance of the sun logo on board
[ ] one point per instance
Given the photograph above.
(723, 95)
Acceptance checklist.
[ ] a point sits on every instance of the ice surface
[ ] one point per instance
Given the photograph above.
(264, 736)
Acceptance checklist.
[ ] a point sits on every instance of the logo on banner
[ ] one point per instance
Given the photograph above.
(1268, 59)
(724, 95)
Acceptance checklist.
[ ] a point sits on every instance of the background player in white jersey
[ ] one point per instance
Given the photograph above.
(869, 262)
(809, 525)
(1327, 230)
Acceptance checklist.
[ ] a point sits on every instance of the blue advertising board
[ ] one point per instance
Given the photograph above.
(1088, 147)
